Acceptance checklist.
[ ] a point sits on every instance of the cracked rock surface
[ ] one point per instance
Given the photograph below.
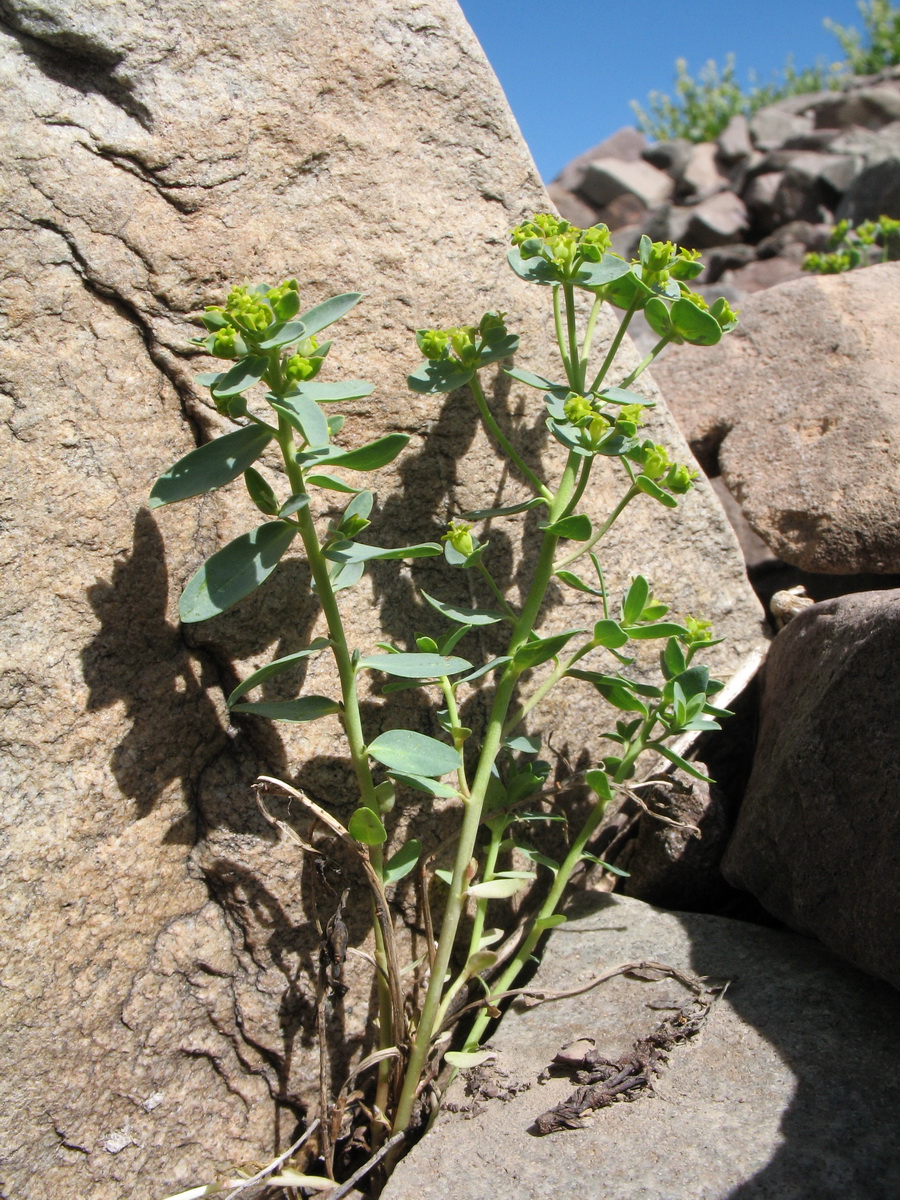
(156, 978)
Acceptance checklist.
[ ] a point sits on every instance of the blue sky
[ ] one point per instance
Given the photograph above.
(570, 67)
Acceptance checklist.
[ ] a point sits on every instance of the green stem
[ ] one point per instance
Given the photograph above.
(509, 450)
(474, 807)
(548, 909)
(633, 491)
(589, 336)
(560, 335)
(487, 873)
(455, 727)
(645, 362)
(584, 476)
(539, 693)
(498, 594)
(575, 372)
(614, 347)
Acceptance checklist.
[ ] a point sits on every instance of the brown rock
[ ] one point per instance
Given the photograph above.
(627, 144)
(716, 221)
(157, 989)
(803, 399)
(606, 179)
(701, 176)
(870, 108)
(765, 273)
(818, 834)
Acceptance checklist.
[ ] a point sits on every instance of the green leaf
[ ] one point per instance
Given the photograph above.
(625, 290)
(307, 708)
(617, 692)
(689, 767)
(332, 393)
(370, 457)
(212, 465)
(578, 584)
(693, 682)
(359, 508)
(413, 753)
(329, 311)
(561, 390)
(274, 668)
(209, 379)
(577, 527)
(366, 827)
(609, 268)
(598, 782)
(463, 615)
(649, 488)
(446, 375)
(493, 665)
(345, 575)
(672, 659)
(306, 416)
(399, 865)
(523, 743)
(660, 630)
(348, 552)
(293, 504)
(502, 348)
(245, 372)
(415, 666)
(283, 334)
(235, 571)
(421, 783)
(260, 492)
(539, 650)
(331, 482)
(656, 312)
(605, 865)
(617, 395)
(462, 1059)
(696, 326)
(484, 514)
(542, 924)
(635, 599)
(498, 889)
(534, 270)
(610, 634)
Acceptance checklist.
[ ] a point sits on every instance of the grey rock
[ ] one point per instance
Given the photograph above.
(734, 141)
(875, 192)
(770, 127)
(701, 176)
(606, 179)
(804, 399)
(818, 834)
(747, 1112)
(627, 144)
(868, 108)
(157, 939)
(671, 157)
(716, 221)
(810, 236)
(764, 273)
(759, 194)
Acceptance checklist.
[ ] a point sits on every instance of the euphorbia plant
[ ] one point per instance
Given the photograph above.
(490, 779)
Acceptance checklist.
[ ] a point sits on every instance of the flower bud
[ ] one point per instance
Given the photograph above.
(697, 630)
(597, 430)
(655, 460)
(433, 343)
(679, 479)
(577, 408)
(459, 535)
(224, 343)
(297, 368)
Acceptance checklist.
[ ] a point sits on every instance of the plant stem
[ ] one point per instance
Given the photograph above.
(560, 335)
(506, 445)
(473, 806)
(548, 909)
(645, 362)
(589, 336)
(576, 372)
(614, 347)
(492, 584)
(633, 491)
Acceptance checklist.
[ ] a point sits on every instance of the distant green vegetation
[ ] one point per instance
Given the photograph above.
(702, 107)
(849, 248)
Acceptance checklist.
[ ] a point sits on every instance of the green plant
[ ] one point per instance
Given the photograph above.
(849, 248)
(881, 20)
(703, 107)
(495, 780)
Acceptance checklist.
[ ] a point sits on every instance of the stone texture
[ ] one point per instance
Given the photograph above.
(701, 176)
(734, 141)
(158, 988)
(803, 401)
(875, 192)
(627, 144)
(818, 833)
(771, 126)
(716, 221)
(870, 108)
(606, 179)
(761, 1106)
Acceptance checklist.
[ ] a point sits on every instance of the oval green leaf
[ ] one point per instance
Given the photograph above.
(212, 465)
(245, 372)
(331, 482)
(577, 527)
(305, 416)
(433, 378)
(635, 600)
(366, 827)
(498, 889)
(357, 552)
(649, 488)
(307, 708)
(283, 334)
(329, 311)
(413, 753)
(696, 326)
(370, 457)
(332, 393)
(462, 615)
(421, 783)
(399, 865)
(274, 668)
(235, 571)
(610, 635)
(415, 666)
(538, 651)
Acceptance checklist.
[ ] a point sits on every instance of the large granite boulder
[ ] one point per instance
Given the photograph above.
(759, 1106)
(818, 833)
(158, 975)
(801, 410)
